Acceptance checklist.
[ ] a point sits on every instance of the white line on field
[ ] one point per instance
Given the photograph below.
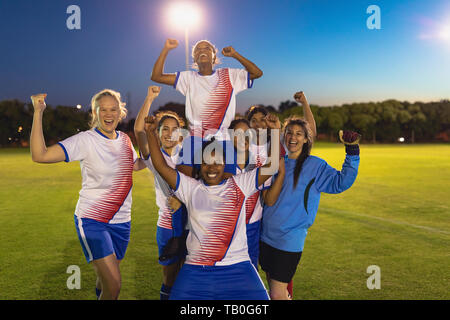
(435, 230)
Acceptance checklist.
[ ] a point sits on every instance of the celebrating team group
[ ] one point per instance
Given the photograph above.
(233, 193)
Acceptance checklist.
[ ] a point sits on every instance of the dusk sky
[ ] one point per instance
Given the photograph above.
(321, 47)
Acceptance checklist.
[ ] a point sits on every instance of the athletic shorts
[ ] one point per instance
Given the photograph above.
(190, 153)
(163, 236)
(238, 281)
(280, 265)
(253, 235)
(99, 239)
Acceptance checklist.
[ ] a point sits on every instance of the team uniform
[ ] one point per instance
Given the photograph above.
(258, 157)
(169, 224)
(285, 224)
(210, 107)
(217, 265)
(103, 211)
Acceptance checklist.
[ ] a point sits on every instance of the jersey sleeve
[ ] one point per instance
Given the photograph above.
(185, 186)
(330, 180)
(240, 79)
(75, 147)
(182, 81)
(248, 182)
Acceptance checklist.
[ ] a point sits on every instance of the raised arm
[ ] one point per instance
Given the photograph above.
(273, 161)
(270, 196)
(252, 69)
(159, 163)
(139, 124)
(39, 151)
(309, 117)
(158, 74)
(330, 180)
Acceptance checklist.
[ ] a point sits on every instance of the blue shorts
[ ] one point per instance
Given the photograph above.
(99, 239)
(190, 153)
(253, 237)
(163, 236)
(238, 281)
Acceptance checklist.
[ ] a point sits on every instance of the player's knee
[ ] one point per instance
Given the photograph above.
(111, 289)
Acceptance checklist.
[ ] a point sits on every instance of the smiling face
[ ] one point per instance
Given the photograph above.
(168, 133)
(294, 139)
(259, 123)
(108, 115)
(204, 53)
(212, 169)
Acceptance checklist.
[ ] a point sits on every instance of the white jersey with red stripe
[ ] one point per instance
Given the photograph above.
(258, 156)
(211, 99)
(107, 174)
(162, 189)
(216, 218)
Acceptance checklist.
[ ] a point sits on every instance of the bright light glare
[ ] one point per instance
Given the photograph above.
(79, 106)
(184, 15)
(444, 34)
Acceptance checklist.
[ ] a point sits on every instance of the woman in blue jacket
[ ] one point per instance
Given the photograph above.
(290, 209)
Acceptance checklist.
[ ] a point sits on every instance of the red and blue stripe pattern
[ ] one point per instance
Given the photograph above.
(215, 243)
(112, 200)
(215, 109)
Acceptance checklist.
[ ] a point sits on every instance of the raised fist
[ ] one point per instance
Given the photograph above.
(272, 121)
(38, 101)
(171, 44)
(228, 51)
(153, 91)
(349, 137)
(300, 97)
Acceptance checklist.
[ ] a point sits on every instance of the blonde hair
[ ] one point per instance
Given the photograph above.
(95, 105)
(216, 59)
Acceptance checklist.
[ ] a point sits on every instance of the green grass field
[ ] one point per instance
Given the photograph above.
(396, 216)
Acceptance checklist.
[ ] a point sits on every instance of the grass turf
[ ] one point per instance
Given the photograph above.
(395, 216)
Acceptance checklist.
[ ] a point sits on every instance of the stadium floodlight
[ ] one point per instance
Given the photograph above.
(184, 15)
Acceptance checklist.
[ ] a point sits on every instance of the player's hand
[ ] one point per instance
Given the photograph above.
(349, 137)
(153, 92)
(272, 121)
(171, 44)
(150, 124)
(38, 101)
(300, 97)
(174, 203)
(228, 51)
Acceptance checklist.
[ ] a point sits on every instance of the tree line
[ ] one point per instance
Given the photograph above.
(385, 121)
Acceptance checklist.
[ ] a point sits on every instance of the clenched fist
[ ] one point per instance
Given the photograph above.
(153, 92)
(171, 44)
(228, 51)
(39, 101)
(300, 97)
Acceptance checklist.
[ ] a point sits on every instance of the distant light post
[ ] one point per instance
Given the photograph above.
(185, 15)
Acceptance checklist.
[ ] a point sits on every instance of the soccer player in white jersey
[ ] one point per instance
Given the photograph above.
(217, 265)
(107, 159)
(170, 224)
(210, 94)
(244, 162)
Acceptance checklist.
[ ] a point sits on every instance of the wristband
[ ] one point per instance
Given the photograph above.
(352, 149)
